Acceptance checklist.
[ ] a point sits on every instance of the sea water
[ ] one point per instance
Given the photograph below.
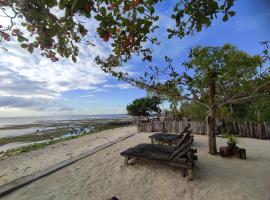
(8, 121)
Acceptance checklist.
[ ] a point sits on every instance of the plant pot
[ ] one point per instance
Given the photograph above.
(231, 146)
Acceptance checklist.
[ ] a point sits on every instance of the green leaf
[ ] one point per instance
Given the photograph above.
(231, 13)
(24, 45)
(225, 18)
(20, 38)
(103, 11)
(24, 24)
(30, 49)
(140, 9)
(152, 10)
(98, 17)
(74, 59)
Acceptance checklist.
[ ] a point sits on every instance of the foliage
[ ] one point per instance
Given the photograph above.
(193, 111)
(198, 11)
(236, 75)
(232, 139)
(173, 111)
(229, 68)
(144, 106)
(126, 23)
(176, 115)
(224, 112)
(215, 77)
(256, 111)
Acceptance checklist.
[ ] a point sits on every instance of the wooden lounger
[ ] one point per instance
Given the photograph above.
(166, 138)
(170, 139)
(182, 156)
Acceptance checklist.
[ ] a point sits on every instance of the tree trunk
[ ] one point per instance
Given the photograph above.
(211, 119)
(231, 109)
(259, 116)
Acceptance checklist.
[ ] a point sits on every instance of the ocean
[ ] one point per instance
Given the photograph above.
(18, 126)
(10, 121)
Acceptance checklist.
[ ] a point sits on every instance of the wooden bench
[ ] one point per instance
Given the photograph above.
(182, 156)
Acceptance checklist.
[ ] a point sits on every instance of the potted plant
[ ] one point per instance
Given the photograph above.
(232, 141)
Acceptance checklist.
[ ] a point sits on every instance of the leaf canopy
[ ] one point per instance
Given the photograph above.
(144, 106)
(56, 27)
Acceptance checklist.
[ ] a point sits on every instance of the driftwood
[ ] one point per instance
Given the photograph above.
(242, 129)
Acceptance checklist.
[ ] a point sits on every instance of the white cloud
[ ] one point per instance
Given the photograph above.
(120, 86)
(39, 104)
(30, 83)
(34, 82)
(87, 96)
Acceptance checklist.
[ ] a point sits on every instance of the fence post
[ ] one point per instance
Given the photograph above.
(246, 129)
(239, 128)
(263, 130)
(267, 131)
(250, 130)
(259, 131)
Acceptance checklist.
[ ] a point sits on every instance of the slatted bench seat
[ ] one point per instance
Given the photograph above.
(182, 155)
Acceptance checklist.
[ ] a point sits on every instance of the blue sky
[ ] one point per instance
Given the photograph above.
(31, 85)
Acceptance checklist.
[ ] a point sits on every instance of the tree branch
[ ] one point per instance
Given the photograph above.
(246, 98)
(179, 97)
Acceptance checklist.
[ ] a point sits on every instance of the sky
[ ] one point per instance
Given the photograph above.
(31, 85)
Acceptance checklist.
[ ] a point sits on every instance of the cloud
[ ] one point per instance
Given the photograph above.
(120, 86)
(87, 96)
(34, 82)
(12, 83)
(35, 103)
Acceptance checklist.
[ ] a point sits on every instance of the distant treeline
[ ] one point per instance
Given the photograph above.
(257, 111)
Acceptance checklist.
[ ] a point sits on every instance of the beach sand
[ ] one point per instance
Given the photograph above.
(24, 164)
(103, 175)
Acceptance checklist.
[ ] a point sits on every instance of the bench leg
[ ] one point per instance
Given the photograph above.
(126, 160)
(184, 172)
(190, 175)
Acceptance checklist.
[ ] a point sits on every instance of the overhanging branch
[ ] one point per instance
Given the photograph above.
(141, 84)
(254, 94)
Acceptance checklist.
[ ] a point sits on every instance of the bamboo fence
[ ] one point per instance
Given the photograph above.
(242, 129)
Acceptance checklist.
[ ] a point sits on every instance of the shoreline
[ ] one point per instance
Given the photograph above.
(57, 130)
(22, 164)
(23, 147)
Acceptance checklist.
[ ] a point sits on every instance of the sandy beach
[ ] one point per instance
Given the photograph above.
(103, 175)
(24, 164)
